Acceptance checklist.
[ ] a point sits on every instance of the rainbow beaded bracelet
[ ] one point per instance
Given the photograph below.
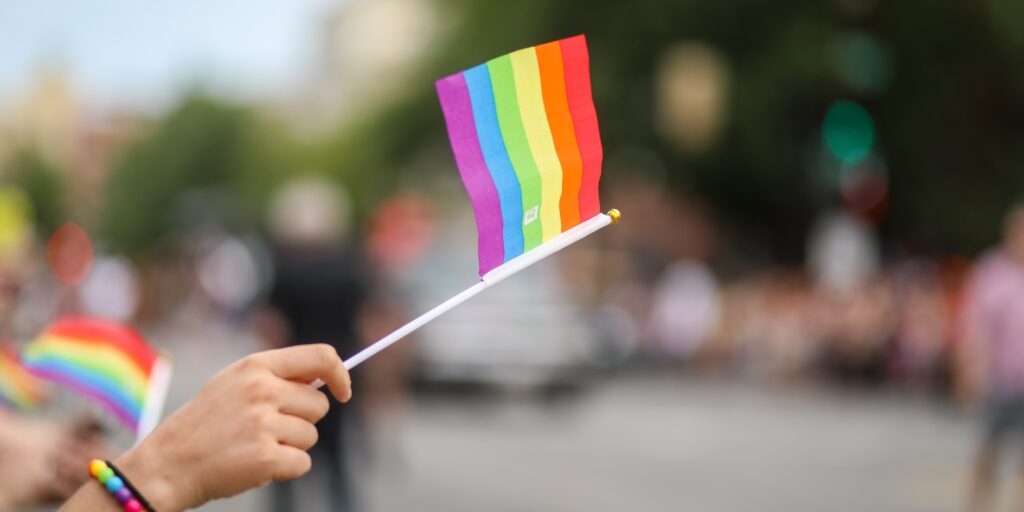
(117, 485)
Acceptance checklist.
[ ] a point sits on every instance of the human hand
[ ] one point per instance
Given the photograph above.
(250, 425)
(36, 457)
(83, 440)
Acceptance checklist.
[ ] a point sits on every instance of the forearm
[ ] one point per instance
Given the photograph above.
(6, 435)
(251, 424)
(146, 471)
(91, 498)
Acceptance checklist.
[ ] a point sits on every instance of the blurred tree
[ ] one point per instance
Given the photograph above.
(940, 81)
(943, 91)
(203, 145)
(42, 182)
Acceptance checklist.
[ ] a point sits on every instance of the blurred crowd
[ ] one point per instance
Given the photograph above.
(750, 149)
(851, 314)
(667, 290)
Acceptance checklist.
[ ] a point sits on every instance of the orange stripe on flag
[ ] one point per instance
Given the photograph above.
(102, 332)
(556, 104)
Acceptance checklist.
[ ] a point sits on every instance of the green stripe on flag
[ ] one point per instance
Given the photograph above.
(511, 123)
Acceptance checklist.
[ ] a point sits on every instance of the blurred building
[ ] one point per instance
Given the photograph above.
(46, 116)
(50, 119)
(368, 51)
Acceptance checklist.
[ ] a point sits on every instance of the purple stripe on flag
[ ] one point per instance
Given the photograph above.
(458, 115)
(124, 416)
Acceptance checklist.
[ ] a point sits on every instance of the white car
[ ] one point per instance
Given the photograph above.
(524, 332)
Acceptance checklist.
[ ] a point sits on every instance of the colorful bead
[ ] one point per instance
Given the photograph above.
(95, 467)
(115, 484)
(107, 477)
(123, 495)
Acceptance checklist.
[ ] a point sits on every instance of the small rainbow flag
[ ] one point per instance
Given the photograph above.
(18, 387)
(524, 132)
(526, 141)
(106, 362)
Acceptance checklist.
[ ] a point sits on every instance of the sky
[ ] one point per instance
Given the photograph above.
(146, 52)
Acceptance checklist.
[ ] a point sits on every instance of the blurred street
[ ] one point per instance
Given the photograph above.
(639, 439)
(652, 445)
(642, 440)
(814, 301)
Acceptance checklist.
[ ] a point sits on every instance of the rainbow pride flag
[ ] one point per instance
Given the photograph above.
(526, 141)
(19, 388)
(524, 133)
(109, 363)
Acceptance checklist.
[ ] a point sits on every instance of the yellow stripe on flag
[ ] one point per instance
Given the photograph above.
(538, 135)
(100, 360)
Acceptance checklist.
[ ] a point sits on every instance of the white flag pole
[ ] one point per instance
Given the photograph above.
(156, 395)
(489, 279)
(408, 328)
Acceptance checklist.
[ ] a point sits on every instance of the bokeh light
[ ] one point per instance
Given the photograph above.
(70, 253)
(230, 273)
(849, 132)
(111, 290)
(813, 193)
(865, 190)
(401, 230)
(692, 88)
(15, 222)
(863, 62)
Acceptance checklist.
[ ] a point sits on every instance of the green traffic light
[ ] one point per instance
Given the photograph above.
(849, 131)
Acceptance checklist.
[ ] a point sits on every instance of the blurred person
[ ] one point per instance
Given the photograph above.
(401, 231)
(773, 324)
(853, 299)
(842, 253)
(385, 384)
(685, 309)
(921, 343)
(857, 329)
(251, 424)
(41, 460)
(318, 294)
(993, 343)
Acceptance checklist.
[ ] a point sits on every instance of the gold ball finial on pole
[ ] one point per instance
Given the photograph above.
(615, 215)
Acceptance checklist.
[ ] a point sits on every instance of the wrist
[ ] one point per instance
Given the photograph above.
(155, 478)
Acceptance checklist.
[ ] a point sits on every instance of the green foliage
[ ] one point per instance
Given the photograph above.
(205, 146)
(941, 82)
(944, 94)
(42, 183)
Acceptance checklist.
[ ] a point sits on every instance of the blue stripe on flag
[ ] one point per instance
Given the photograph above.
(492, 144)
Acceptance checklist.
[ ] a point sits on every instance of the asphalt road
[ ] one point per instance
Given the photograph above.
(646, 444)
(669, 445)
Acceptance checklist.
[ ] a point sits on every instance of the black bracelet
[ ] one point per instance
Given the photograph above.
(135, 491)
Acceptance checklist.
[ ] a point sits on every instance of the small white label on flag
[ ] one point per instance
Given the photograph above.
(531, 215)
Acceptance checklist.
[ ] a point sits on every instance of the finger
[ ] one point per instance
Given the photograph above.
(306, 363)
(291, 463)
(294, 431)
(64, 487)
(65, 482)
(303, 401)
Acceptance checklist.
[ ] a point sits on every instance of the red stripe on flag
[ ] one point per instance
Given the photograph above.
(90, 330)
(576, 61)
(556, 106)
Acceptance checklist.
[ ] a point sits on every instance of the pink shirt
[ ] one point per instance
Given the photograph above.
(994, 317)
